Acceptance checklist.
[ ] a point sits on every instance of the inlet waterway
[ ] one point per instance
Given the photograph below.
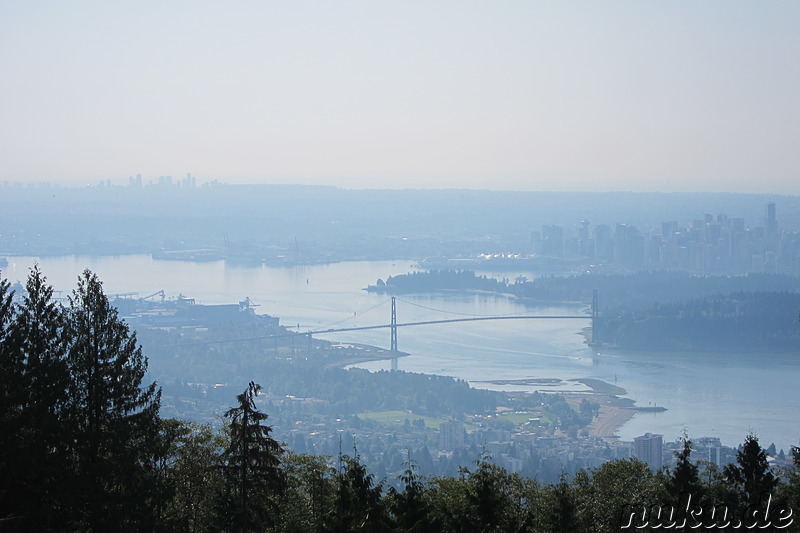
(709, 394)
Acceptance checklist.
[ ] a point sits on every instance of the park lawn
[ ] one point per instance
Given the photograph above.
(398, 418)
(519, 417)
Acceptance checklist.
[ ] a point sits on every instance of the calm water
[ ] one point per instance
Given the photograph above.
(710, 394)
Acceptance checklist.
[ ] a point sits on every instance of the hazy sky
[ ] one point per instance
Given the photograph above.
(635, 95)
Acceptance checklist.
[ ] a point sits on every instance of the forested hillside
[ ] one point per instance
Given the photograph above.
(742, 321)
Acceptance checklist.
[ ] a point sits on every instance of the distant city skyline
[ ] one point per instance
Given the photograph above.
(610, 96)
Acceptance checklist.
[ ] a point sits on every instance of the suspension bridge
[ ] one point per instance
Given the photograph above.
(394, 325)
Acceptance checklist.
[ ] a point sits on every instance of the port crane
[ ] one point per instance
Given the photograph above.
(157, 293)
(247, 304)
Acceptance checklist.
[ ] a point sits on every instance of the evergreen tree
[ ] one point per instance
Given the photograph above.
(488, 495)
(38, 339)
(310, 492)
(254, 480)
(11, 402)
(614, 488)
(6, 308)
(752, 475)
(410, 508)
(685, 476)
(193, 477)
(683, 483)
(771, 451)
(499, 500)
(358, 504)
(111, 417)
(788, 494)
(562, 507)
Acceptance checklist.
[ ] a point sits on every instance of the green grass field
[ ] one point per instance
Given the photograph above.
(398, 418)
(519, 417)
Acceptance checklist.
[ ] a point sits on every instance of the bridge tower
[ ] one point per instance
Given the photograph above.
(393, 343)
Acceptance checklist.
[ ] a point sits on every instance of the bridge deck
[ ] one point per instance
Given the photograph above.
(446, 321)
(386, 326)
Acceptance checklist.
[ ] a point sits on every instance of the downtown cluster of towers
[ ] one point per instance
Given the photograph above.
(712, 244)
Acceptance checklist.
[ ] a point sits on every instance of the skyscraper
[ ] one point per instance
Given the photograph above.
(770, 221)
(649, 449)
(451, 435)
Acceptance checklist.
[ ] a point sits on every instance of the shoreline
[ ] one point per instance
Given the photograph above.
(596, 386)
(353, 353)
(614, 413)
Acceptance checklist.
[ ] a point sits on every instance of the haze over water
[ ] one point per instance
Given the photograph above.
(722, 395)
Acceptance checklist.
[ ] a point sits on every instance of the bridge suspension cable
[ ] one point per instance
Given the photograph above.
(355, 315)
(467, 317)
(455, 312)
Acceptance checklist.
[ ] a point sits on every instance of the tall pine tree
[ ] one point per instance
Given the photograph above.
(410, 507)
(112, 417)
(751, 473)
(38, 336)
(358, 502)
(254, 480)
(685, 476)
(11, 401)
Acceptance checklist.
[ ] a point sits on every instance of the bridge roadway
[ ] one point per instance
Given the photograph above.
(446, 321)
(394, 325)
(381, 326)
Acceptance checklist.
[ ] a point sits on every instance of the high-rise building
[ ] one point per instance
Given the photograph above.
(604, 244)
(771, 222)
(585, 242)
(649, 449)
(451, 435)
(553, 241)
(628, 245)
(772, 233)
